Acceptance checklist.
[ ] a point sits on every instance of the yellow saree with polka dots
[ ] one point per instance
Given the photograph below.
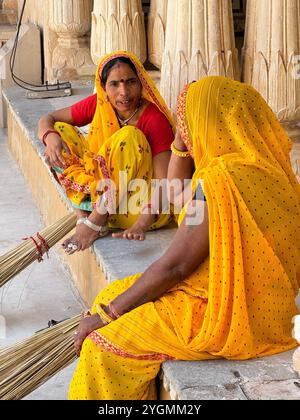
(240, 302)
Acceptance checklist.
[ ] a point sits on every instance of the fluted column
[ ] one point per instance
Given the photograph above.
(296, 335)
(295, 155)
(70, 20)
(271, 54)
(157, 22)
(9, 12)
(34, 11)
(118, 25)
(199, 42)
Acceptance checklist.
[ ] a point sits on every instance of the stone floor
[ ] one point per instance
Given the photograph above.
(41, 292)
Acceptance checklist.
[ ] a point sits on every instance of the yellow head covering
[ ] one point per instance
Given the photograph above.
(241, 154)
(105, 122)
(226, 121)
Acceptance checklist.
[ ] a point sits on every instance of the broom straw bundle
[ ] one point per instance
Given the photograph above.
(14, 261)
(31, 362)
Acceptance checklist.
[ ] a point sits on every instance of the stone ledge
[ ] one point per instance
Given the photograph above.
(267, 378)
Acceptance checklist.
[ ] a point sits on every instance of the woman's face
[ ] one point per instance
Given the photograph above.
(123, 88)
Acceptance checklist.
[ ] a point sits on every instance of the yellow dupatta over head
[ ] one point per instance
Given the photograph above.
(105, 122)
(241, 152)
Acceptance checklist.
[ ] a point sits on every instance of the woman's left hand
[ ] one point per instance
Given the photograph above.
(86, 326)
(135, 232)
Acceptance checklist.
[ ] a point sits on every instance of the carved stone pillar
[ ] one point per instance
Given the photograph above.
(118, 25)
(70, 20)
(157, 22)
(295, 155)
(296, 360)
(199, 42)
(296, 335)
(271, 56)
(10, 4)
(9, 12)
(34, 11)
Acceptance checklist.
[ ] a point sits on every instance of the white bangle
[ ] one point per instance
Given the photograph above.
(88, 223)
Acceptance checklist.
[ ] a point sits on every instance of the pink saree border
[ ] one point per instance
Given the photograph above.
(104, 343)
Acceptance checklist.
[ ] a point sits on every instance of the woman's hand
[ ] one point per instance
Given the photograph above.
(86, 326)
(53, 152)
(135, 232)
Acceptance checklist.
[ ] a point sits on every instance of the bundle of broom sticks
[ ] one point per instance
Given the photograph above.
(31, 362)
(32, 249)
(28, 364)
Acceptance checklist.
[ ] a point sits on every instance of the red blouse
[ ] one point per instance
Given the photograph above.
(153, 123)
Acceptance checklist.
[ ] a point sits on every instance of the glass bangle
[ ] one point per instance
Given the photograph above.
(179, 153)
(105, 318)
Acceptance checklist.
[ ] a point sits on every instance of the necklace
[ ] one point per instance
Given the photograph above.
(125, 122)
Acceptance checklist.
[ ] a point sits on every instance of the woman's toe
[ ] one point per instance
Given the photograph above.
(66, 242)
(70, 246)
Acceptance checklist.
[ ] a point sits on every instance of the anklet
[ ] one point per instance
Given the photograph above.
(100, 229)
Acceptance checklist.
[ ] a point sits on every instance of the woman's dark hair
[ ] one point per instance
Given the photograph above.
(108, 67)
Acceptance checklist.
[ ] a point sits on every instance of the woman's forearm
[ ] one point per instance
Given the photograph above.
(47, 121)
(179, 261)
(155, 281)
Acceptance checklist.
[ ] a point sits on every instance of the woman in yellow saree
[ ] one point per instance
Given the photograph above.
(129, 139)
(232, 295)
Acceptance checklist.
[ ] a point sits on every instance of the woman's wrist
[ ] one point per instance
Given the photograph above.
(94, 323)
(47, 133)
(106, 314)
(180, 146)
(112, 311)
(179, 152)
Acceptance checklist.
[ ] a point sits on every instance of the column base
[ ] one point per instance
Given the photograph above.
(296, 360)
(293, 130)
(71, 60)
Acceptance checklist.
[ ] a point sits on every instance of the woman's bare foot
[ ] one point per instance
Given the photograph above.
(84, 236)
(135, 233)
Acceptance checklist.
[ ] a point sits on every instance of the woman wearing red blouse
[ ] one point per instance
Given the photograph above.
(131, 131)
